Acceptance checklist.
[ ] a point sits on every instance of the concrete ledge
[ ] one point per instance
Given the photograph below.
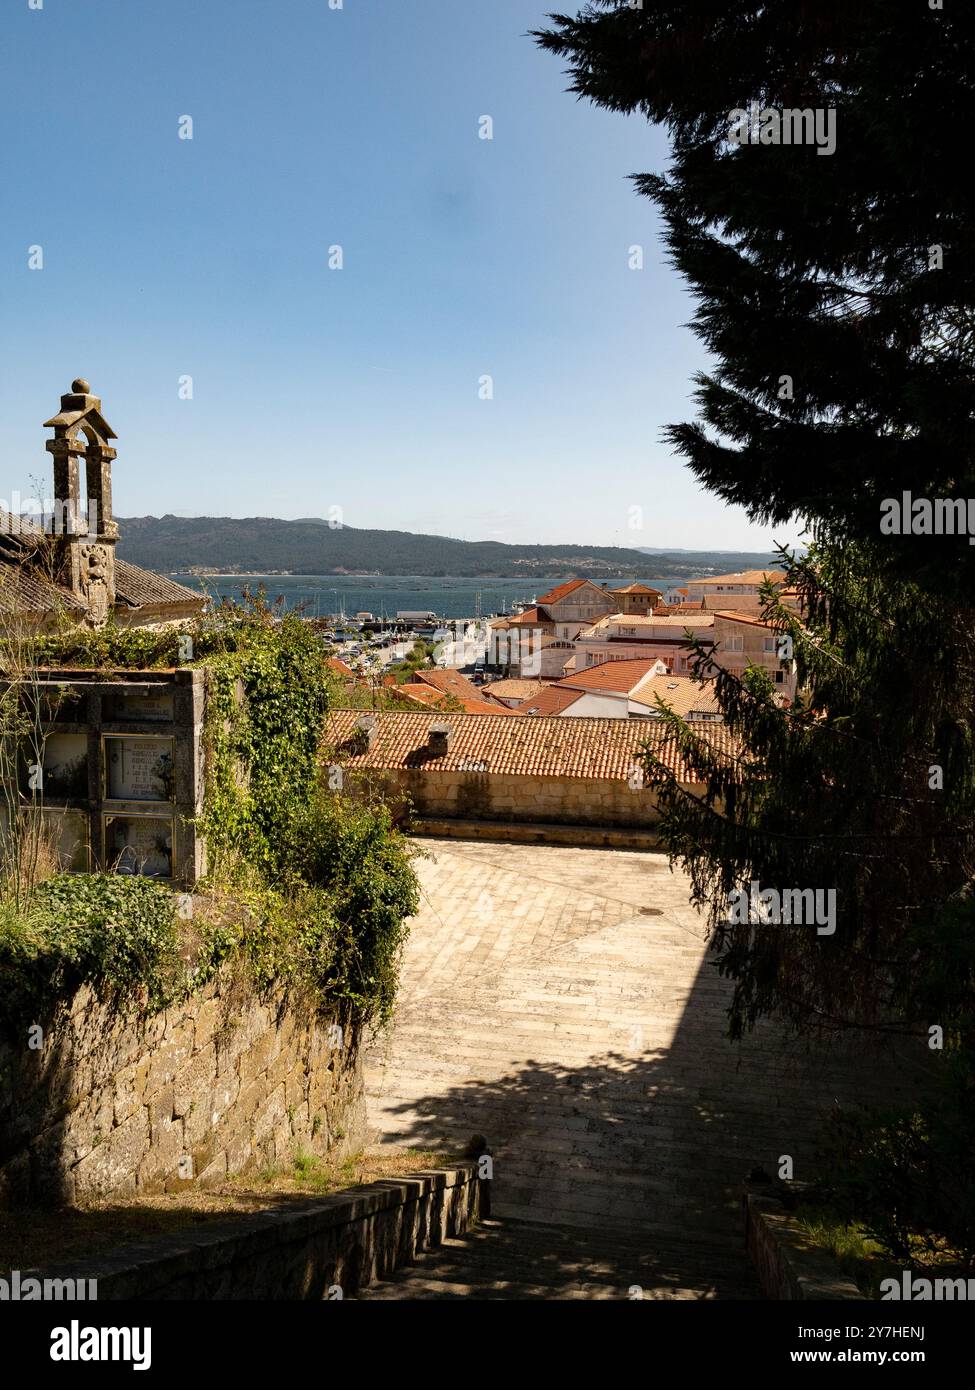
(789, 1266)
(319, 1249)
(536, 833)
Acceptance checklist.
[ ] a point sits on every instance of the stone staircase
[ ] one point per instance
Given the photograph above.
(514, 1259)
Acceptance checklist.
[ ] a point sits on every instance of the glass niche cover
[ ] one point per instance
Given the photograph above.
(139, 769)
(143, 703)
(62, 772)
(67, 833)
(139, 845)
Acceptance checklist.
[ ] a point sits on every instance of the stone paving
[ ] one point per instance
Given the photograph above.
(557, 1000)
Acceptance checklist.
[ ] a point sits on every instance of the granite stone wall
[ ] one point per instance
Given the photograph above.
(220, 1084)
(788, 1264)
(326, 1248)
(525, 799)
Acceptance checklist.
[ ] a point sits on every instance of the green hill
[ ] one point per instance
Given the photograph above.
(262, 544)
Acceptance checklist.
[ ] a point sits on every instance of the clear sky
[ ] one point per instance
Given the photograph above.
(166, 258)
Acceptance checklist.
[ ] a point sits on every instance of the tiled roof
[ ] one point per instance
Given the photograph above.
(551, 701)
(741, 618)
(26, 587)
(428, 695)
(621, 676)
(602, 749)
(139, 588)
(530, 617)
(697, 619)
(745, 577)
(682, 693)
(562, 591)
(448, 682)
(339, 667)
(635, 589)
(513, 689)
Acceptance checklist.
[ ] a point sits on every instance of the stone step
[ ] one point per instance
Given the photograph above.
(531, 1239)
(531, 1260)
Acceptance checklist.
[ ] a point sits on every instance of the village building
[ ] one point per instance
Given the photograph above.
(733, 640)
(740, 591)
(654, 637)
(636, 598)
(625, 690)
(578, 780)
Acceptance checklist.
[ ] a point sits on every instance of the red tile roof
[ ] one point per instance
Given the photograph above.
(474, 700)
(636, 589)
(682, 693)
(590, 749)
(741, 618)
(530, 617)
(743, 577)
(339, 667)
(551, 701)
(513, 688)
(563, 590)
(621, 676)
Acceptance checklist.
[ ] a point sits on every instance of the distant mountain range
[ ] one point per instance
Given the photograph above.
(263, 545)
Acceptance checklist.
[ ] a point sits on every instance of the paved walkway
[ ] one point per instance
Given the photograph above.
(557, 1001)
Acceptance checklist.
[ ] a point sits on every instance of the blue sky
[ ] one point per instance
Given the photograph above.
(354, 388)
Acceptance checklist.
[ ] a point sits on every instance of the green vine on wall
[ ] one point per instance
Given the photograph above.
(306, 888)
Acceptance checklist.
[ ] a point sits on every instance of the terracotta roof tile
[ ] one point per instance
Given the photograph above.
(513, 689)
(682, 693)
(31, 591)
(744, 577)
(621, 676)
(601, 749)
(563, 590)
(551, 701)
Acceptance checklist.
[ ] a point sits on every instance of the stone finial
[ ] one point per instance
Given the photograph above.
(81, 386)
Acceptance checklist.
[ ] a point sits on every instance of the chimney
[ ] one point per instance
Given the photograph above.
(365, 730)
(441, 735)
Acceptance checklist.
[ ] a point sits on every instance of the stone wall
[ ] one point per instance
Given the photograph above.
(519, 799)
(220, 1084)
(788, 1264)
(326, 1248)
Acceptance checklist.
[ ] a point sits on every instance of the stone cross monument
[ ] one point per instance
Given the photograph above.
(85, 538)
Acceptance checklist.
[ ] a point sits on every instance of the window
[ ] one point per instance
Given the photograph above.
(735, 644)
(768, 644)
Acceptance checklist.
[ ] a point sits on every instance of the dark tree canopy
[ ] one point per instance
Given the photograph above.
(815, 266)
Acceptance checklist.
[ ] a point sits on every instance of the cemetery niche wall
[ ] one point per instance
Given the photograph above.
(121, 778)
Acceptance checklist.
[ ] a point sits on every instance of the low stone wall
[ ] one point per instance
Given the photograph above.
(324, 1249)
(538, 833)
(789, 1266)
(486, 796)
(222, 1083)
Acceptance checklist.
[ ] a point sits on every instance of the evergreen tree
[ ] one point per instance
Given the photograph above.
(835, 293)
(835, 290)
